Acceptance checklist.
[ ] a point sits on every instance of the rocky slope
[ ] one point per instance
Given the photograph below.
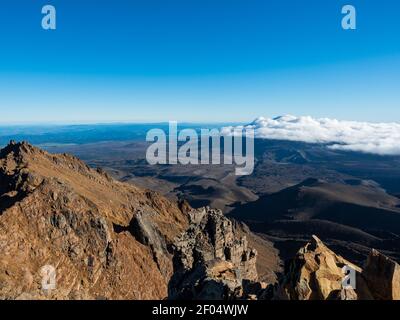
(105, 239)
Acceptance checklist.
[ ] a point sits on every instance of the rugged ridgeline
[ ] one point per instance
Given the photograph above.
(105, 239)
(213, 261)
(110, 240)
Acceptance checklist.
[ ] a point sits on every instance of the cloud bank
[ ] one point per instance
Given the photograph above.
(376, 138)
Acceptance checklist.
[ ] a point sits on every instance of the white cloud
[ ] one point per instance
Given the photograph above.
(377, 138)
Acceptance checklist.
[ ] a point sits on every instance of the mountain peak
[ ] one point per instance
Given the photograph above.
(17, 148)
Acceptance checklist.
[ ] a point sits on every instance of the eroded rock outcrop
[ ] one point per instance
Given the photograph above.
(211, 261)
(316, 273)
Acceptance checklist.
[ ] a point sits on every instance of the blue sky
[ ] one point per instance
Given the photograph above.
(198, 60)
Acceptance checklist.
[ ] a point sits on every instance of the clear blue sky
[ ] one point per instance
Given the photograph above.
(198, 60)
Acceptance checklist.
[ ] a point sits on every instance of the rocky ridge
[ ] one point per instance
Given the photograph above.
(105, 239)
(110, 240)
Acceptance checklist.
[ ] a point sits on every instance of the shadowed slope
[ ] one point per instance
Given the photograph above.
(362, 214)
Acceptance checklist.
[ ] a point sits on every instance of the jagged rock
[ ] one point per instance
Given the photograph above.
(210, 261)
(314, 274)
(56, 211)
(382, 276)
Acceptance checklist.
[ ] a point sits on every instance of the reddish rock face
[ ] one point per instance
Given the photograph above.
(105, 239)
